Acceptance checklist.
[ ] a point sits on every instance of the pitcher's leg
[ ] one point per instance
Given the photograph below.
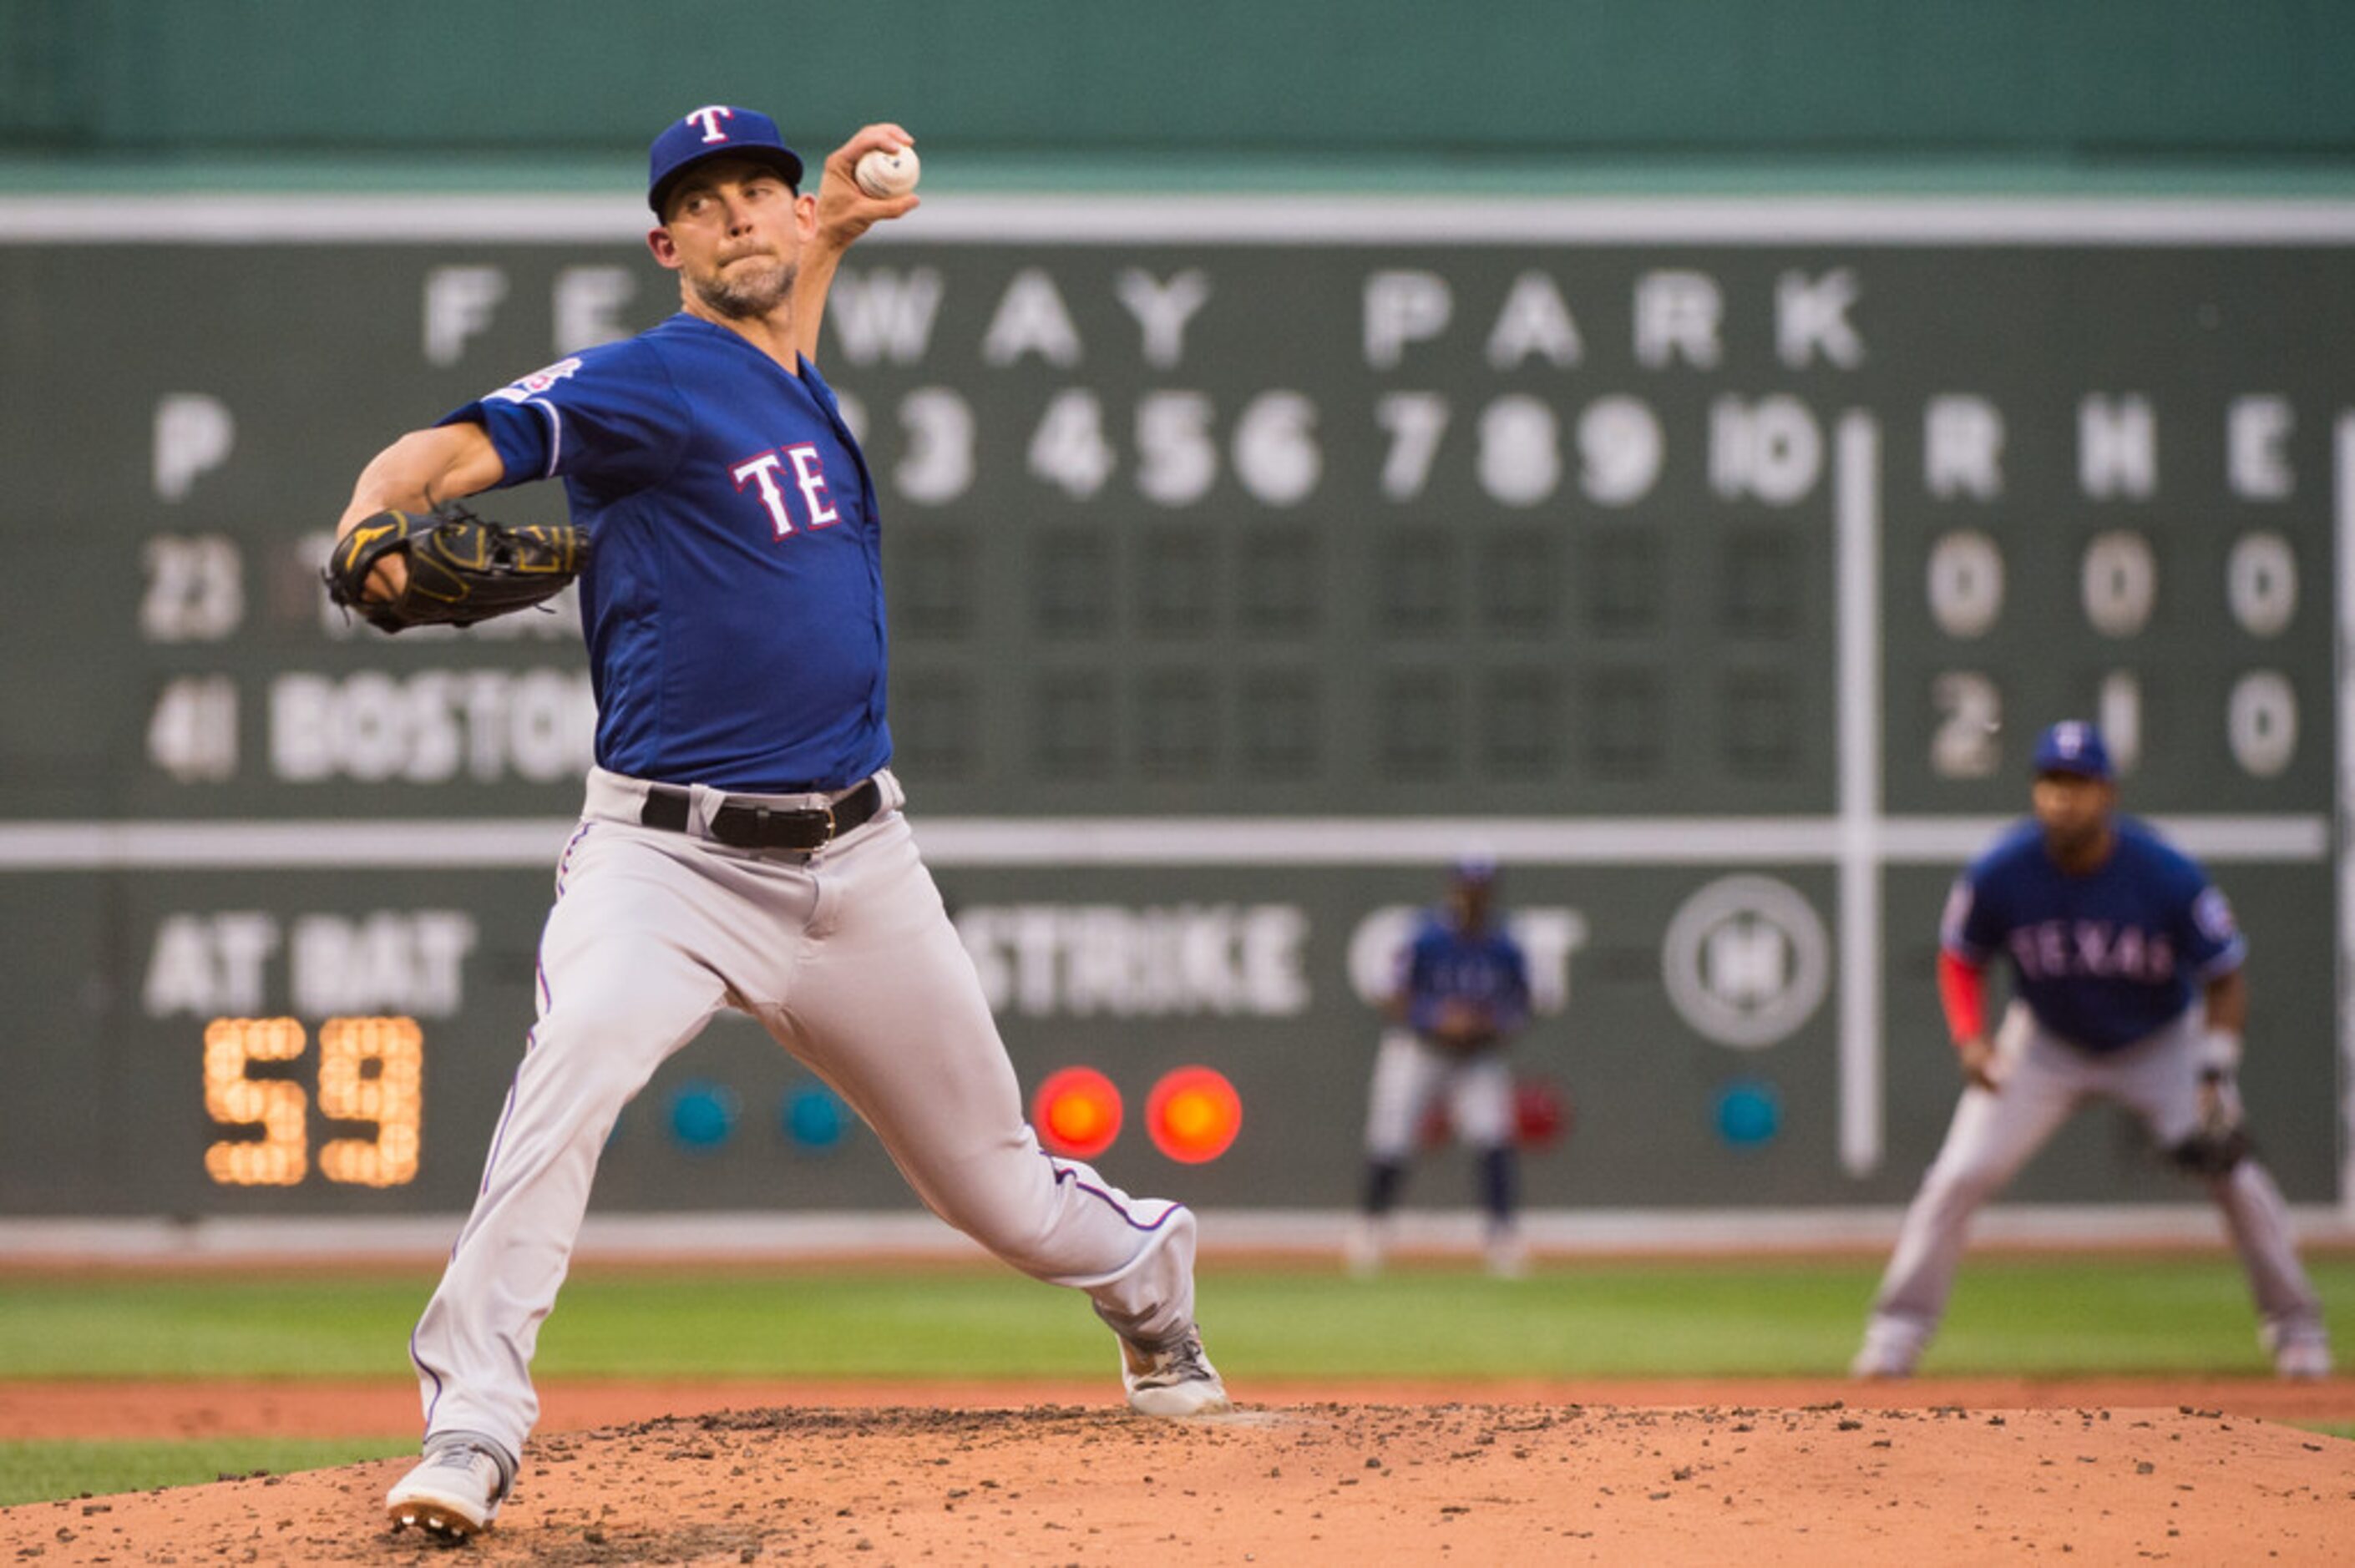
(617, 995)
(886, 1007)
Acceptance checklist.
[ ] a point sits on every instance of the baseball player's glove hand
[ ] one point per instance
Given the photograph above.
(461, 568)
(2220, 1142)
(1461, 1028)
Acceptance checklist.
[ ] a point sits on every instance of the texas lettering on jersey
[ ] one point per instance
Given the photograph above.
(2103, 958)
(525, 387)
(1444, 964)
(2095, 949)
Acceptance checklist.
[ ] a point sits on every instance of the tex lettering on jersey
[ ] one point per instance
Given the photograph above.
(2102, 959)
(806, 468)
(733, 605)
(1445, 964)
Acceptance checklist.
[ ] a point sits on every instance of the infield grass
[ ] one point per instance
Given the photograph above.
(39, 1471)
(2022, 1316)
(2036, 1316)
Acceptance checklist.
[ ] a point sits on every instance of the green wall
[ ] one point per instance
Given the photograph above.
(1209, 646)
(1375, 82)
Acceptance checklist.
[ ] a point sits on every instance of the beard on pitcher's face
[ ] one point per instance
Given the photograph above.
(747, 287)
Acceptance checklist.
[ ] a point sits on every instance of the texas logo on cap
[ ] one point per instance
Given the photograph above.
(2073, 747)
(714, 130)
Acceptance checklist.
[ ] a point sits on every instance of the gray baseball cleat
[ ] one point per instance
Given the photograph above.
(2302, 1360)
(456, 1490)
(1176, 1379)
(2300, 1347)
(1508, 1256)
(1879, 1362)
(1889, 1350)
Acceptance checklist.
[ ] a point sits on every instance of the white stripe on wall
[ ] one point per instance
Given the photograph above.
(2343, 658)
(491, 843)
(768, 1235)
(276, 219)
(1856, 524)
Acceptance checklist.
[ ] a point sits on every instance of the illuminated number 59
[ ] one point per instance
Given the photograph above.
(389, 1097)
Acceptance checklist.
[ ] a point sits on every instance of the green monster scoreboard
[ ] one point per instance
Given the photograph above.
(1712, 564)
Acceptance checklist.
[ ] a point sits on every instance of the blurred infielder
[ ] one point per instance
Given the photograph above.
(742, 844)
(2108, 929)
(1462, 994)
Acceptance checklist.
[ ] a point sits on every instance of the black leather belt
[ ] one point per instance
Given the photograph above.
(760, 827)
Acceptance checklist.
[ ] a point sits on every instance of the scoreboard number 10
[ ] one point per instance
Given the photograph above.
(370, 1070)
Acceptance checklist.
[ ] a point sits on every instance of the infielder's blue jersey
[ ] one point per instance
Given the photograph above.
(2104, 958)
(733, 601)
(1444, 964)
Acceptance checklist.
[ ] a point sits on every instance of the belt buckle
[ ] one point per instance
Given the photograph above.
(762, 816)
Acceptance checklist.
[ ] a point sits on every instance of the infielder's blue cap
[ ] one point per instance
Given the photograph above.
(716, 131)
(2075, 747)
(1475, 867)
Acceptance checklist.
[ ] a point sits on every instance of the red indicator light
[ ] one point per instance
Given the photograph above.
(1076, 1112)
(1543, 1112)
(1194, 1114)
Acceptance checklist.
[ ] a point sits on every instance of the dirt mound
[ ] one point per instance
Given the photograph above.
(387, 1407)
(1311, 1483)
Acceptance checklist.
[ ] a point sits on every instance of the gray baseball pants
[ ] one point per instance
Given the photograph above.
(1408, 1074)
(848, 958)
(2043, 1080)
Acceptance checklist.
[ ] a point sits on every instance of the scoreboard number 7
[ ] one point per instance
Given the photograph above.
(370, 1070)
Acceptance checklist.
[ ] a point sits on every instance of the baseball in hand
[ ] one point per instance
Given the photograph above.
(884, 174)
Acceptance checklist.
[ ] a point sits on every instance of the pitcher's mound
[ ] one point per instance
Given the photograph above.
(1354, 1484)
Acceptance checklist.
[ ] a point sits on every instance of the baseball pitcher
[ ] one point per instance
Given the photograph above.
(2110, 932)
(742, 844)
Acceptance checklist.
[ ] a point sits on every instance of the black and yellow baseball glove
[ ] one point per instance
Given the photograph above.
(462, 569)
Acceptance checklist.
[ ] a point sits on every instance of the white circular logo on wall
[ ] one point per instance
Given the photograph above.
(1746, 960)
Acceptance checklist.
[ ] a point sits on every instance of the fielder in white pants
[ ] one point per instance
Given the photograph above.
(2042, 1080)
(2126, 965)
(1408, 1076)
(1460, 994)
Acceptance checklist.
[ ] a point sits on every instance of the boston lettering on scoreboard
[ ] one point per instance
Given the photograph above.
(1712, 562)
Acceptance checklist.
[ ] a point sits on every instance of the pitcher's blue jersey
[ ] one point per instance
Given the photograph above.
(1446, 963)
(733, 602)
(2104, 958)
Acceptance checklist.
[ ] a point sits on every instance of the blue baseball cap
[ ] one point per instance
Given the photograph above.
(2075, 747)
(712, 132)
(1474, 866)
